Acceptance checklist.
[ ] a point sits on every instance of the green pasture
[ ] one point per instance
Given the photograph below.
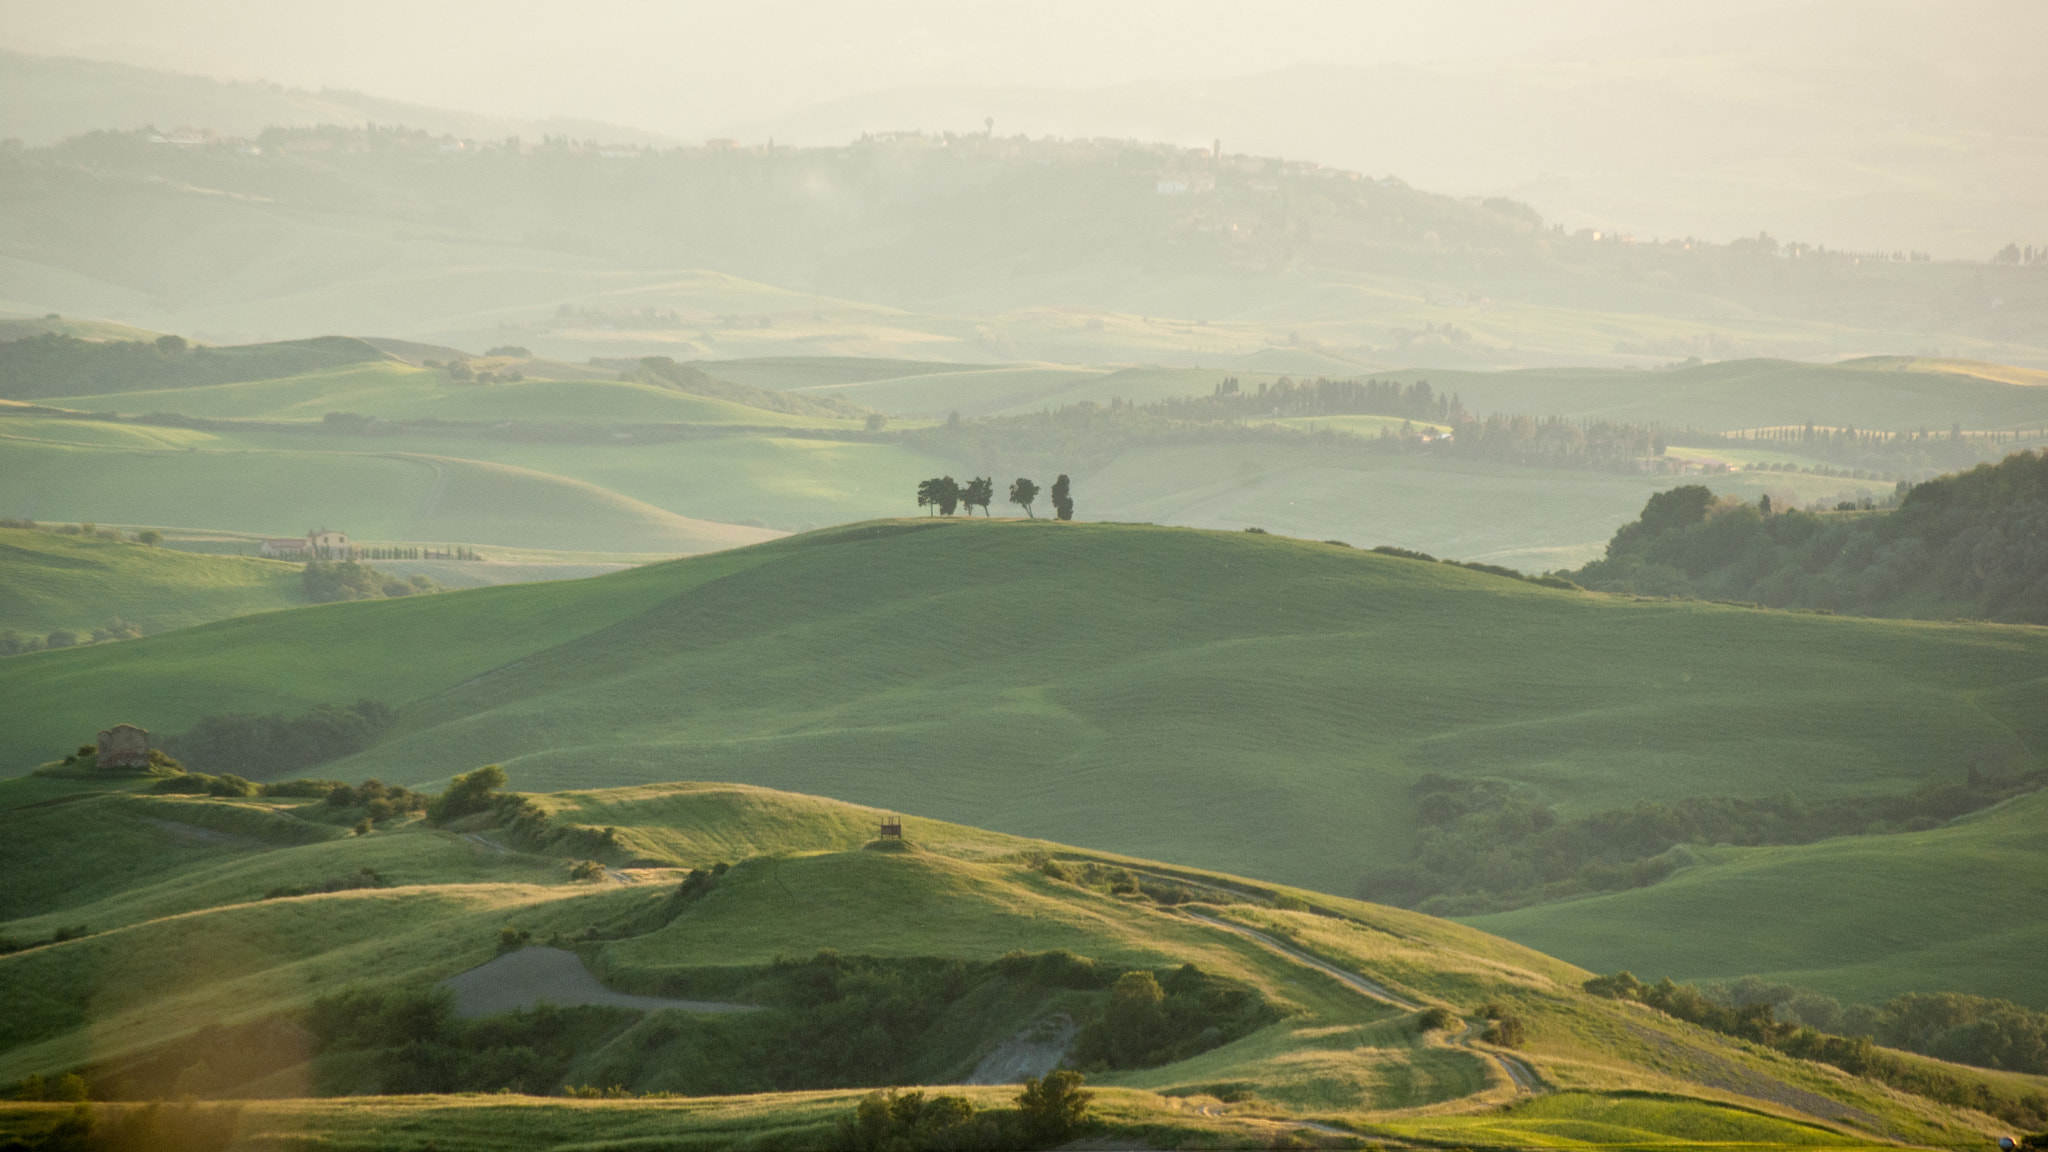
(382, 493)
(1738, 394)
(395, 391)
(1644, 1121)
(51, 581)
(1535, 520)
(785, 482)
(1037, 679)
(1957, 908)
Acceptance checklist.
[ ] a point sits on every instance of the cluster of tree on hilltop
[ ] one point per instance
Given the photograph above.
(52, 364)
(944, 495)
(1971, 544)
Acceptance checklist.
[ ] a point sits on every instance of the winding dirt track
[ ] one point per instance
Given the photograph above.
(1518, 1073)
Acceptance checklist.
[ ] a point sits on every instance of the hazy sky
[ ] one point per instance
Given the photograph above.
(690, 67)
(1861, 123)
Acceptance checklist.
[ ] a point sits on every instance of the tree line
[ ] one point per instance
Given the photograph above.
(1483, 847)
(1856, 1055)
(945, 495)
(1967, 544)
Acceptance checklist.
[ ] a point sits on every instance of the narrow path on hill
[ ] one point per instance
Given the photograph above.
(1517, 1072)
(1352, 980)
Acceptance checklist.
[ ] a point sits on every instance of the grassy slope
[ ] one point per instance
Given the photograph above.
(1053, 679)
(1532, 519)
(1755, 394)
(784, 481)
(398, 391)
(381, 493)
(193, 945)
(187, 947)
(51, 581)
(1955, 907)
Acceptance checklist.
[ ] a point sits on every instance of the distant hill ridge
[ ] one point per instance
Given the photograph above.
(53, 365)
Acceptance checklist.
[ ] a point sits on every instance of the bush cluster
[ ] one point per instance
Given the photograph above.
(1049, 1112)
(1965, 544)
(1483, 848)
(258, 746)
(13, 643)
(327, 581)
(1947, 1025)
(1151, 1021)
(411, 1042)
(1856, 1055)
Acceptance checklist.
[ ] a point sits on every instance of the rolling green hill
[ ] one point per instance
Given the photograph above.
(395, 391)
(1963, 890)
(58, 365)
(52, 581)
(77, 470)
(1889, 394)
(201, 971)
(1137, 689)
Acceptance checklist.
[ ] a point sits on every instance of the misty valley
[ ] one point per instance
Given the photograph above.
(524, 634)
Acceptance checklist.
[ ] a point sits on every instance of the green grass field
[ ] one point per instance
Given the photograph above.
(383, 492)
(1879, 393)
(1535, 520)
(1036, 679)
(1954, 907)
(395, 391)
(52, 581)
(184, 940)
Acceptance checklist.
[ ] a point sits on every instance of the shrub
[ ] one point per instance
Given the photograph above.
(61, 638)
(1434, 1020)
(587, 870)
(229, 784)
(512, 939)
(268, 745)
(1506, 1031)
(468, 793)
(908, 1120)
(1404, 553)
(1054, 1108)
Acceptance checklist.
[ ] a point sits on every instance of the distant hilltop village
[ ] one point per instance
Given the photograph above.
(318, 544)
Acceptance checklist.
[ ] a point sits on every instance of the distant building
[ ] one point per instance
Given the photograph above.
(329, 545)
(124, 746)
(317, 544)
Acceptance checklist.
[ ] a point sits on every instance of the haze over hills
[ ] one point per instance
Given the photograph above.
(964, 247)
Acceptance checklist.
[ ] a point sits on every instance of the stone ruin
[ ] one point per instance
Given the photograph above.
(124, 746)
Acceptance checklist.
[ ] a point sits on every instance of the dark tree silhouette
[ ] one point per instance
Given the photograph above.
(1062, 498)
(1024, 492)
(977, 493)
(928, 493)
